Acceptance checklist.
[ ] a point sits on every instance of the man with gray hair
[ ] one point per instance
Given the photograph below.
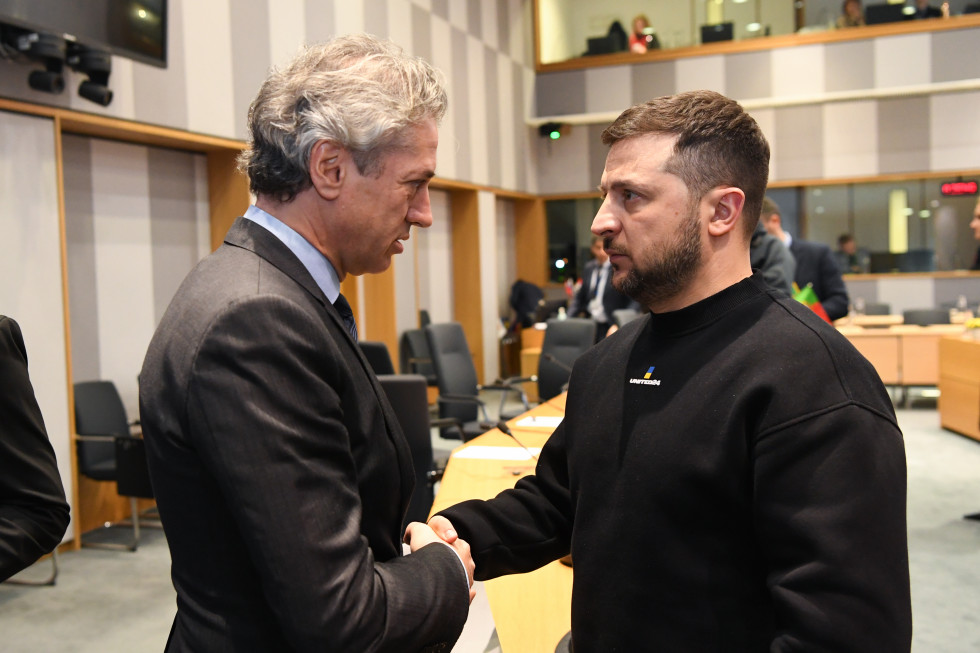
(729, 474)
(280, 471)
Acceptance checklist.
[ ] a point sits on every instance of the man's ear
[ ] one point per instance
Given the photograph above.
(728, 203)
(328, 168)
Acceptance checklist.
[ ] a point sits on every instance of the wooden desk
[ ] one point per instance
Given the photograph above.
(532, 611)
(869, 320)
(904, 354)
(959, 385)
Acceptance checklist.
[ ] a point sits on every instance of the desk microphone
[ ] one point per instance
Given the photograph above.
(548, 356)
(503, 428)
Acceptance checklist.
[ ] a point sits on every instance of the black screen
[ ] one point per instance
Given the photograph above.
(136, 29)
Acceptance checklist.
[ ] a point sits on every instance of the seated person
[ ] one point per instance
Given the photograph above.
(852, 14)
(924, 10)
(850, 258)
(643, 38)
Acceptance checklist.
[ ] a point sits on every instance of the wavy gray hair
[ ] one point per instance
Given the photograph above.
(358, 91)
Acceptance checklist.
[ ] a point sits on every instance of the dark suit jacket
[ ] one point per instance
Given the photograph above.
(33, 511)
(815, 264)
(280, 470)
(612, 299)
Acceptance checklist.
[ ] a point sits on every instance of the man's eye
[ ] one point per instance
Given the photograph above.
(628, 195)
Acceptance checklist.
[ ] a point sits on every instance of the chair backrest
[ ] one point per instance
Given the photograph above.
(377, 355)
(407, 395)
(564, 341)
(455, 371)
(132, 472)
(877, 309)
(414, 356)
(98, 411)
(926, 316)
(622, 316)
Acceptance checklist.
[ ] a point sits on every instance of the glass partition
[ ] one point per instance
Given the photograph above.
(899, 226)
(568, 29)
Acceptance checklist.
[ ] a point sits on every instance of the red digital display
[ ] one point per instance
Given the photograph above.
(959, 188)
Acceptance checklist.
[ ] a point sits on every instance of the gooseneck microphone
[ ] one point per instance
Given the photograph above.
(503, 428)
(548, 356)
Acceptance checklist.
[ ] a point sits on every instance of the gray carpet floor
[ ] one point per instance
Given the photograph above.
(109, 601)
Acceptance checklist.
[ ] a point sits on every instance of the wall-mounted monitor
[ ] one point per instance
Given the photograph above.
(136, 29)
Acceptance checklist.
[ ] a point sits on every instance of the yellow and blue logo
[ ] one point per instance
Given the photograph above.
(646, 380)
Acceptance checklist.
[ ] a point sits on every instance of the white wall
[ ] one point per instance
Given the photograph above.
(31, 269)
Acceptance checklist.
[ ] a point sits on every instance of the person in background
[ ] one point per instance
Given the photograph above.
(975, 226)
(596, 297)
(641, 38)
(33, 511)
(850, 258)
(729, 474)
(924, 10)
(771, 258)
(280, 470)
(852, 14)
(815, 264)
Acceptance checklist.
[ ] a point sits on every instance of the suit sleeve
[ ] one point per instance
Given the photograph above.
(830, 520)
(33, 510)
(523, 528)
(834, 292)
(273, 436)
(580, 301)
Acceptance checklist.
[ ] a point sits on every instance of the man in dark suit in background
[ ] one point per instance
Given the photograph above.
(596, 298)
(33, 510)
(280, 471)
(815, 263)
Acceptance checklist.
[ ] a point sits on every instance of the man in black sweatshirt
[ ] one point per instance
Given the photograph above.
(729, 475)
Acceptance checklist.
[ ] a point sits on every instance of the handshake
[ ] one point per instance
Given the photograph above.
(439, 529)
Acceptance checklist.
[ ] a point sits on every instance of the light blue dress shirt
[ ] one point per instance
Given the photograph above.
(312, 259)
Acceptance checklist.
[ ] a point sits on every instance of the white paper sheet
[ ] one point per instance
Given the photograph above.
(496, 453)
(542, 421)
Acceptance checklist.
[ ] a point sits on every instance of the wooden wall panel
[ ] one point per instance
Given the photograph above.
(466, 272)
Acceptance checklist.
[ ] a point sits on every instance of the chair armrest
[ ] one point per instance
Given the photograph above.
(103, 437)
(461, 399)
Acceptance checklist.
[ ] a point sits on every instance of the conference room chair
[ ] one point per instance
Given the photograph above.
(622, 316)
(407, 395)
(564, 341)
(879, 308)
(926, 316)
(414, 357)
(459, 390)
(377, 356)
(106, 450)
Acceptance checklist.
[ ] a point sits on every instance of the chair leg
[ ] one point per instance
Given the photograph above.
(49, 581)
(134, 506)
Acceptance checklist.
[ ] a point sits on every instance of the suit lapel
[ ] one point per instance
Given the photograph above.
(257, 239)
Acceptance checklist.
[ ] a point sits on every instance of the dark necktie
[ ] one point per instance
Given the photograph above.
(347, 315)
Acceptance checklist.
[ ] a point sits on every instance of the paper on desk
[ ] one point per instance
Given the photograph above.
(544, 421)
(496, 453)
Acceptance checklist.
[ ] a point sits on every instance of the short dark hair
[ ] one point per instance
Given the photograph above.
(718, 144)
(769, 207)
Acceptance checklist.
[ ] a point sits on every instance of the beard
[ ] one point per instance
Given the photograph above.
(673, 265)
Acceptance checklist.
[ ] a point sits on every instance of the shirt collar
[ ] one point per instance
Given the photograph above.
(313, 260)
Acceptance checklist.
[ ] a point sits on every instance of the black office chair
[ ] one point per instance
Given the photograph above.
(107, 451)
(377, 356)
(414, 357)
(926, 316)
(878, 308)
(458, 387)
(622, 316)
(564, 341)
(407, 395)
